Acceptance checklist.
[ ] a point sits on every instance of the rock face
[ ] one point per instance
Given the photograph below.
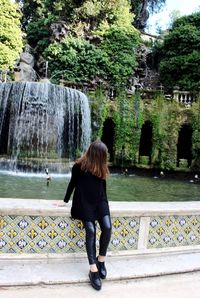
(146, 76)
(141, 21)
(24, 69)
(59, 30)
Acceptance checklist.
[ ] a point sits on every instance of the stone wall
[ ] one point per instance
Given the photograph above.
(38, 226)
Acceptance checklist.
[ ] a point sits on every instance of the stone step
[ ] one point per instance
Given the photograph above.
(72, 270)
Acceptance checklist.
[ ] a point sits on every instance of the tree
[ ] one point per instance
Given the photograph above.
(142, 9)
(10, 34)
(119, 45)
(180, 54)
(75, 60)
(99, 39)
(81, 18)
(34, 10)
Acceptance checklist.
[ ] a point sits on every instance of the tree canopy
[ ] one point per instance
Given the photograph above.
(10, 34)
(113, 61)
(180, 54)
(94, 39)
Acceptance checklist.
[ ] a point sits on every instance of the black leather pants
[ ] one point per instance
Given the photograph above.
(90, 230)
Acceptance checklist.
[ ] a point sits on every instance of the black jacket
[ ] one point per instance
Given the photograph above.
(90, 199)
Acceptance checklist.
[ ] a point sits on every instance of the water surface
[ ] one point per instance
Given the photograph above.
(119, 188)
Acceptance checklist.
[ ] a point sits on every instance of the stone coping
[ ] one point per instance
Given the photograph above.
(118, 209)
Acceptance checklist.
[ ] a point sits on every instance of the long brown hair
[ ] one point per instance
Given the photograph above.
(95, 160)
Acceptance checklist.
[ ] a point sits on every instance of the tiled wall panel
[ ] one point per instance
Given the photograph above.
(51, 234)
(173, 231)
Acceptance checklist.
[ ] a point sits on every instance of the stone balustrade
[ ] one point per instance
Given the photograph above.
(183, 97)
(38, 226)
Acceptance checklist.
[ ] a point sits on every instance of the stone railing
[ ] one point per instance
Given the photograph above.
(184, 97)
(37, 226)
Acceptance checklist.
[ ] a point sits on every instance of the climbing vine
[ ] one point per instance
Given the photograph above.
(172, 121)
(128, 122)
(166, 121)
(156, 117)
(99, 111)
(129, 113)
(196, 134)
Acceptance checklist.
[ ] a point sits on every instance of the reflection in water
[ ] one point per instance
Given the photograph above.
(120, 188)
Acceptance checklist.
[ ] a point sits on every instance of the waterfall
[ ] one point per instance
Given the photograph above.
(41, 122)
(4, 94)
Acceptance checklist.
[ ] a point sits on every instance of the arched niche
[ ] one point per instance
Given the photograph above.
(145, 147)
(184, 145)
(108, 136)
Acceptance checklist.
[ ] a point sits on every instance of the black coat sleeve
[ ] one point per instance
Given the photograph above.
(72, 183)
(104, 186)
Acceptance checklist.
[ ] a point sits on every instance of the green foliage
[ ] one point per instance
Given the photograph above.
(103, 113)
(85, 14)
(97, 13)
(38, 33)
(180, 54)
(99, 111)
(192, 19)
(34, 10)
(196, 134)
(166, 121)
(38, 15)
(75, 60)
(128, 123)
(119, 45)
(170, 137)
(166, 117)
(10, 34)
(156, 116)
(31, 10)
(100, 43)
(78, 60)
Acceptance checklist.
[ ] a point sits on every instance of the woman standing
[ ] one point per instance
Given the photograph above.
(90, 204)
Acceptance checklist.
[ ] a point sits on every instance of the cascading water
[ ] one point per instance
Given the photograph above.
(41, 123)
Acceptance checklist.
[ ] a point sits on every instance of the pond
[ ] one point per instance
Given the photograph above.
(119, 188)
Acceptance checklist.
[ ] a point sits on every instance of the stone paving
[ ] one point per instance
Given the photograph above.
(186, 285)
(74, 270)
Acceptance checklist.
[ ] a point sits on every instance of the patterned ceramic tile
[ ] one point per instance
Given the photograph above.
(38, 234)
(171, 231)
(125, 231)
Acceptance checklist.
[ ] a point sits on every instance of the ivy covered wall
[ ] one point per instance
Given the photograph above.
(167, 117)
(196, 134)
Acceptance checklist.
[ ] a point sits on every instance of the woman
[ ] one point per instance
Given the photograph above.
(90, 204)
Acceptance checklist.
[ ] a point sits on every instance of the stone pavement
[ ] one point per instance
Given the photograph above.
(186, 285)
(128, 276)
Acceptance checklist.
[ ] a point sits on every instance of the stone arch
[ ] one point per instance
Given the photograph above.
(184, 146)
(108, 136)
(145, 146)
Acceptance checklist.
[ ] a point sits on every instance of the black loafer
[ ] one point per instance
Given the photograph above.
(95, 280)
(102, 269)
